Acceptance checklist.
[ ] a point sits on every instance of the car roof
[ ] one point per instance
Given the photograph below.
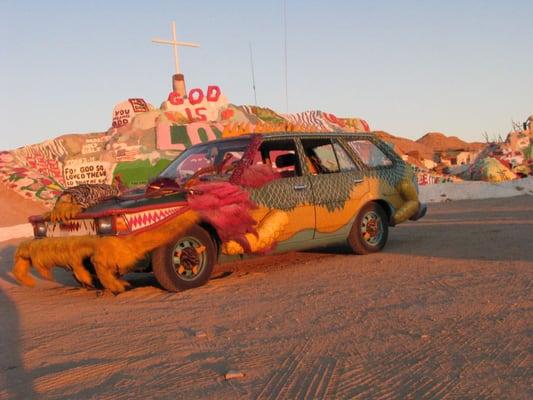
(282, 134)
(318, 133)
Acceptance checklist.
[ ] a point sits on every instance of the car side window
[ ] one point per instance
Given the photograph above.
(345, 162)
(320, 156)
(326, 156)
(281, 156)
(369, 153)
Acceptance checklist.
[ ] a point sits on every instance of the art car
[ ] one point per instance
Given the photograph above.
(224, 200)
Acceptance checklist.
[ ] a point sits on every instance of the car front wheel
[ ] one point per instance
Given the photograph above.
(186, 262)
(370, 230)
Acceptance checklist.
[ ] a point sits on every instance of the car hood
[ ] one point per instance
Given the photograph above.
(135, 202)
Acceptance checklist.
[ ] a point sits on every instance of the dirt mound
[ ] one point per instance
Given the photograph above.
(405, 146)
(15, 208)
(437, 141)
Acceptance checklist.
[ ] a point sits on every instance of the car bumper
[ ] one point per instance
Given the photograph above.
(422, 210)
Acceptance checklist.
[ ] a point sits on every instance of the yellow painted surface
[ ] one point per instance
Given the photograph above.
(331, 221)
(268, 233)
(299, 219)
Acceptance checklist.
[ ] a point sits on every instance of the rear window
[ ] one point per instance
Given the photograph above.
(370, 154)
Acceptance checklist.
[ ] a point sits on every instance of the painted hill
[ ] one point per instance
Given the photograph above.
(142, 142)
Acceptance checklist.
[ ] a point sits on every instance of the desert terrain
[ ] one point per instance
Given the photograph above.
(442, 312)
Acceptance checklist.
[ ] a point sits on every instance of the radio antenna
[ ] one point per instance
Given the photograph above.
(285, 56)
(253, 73)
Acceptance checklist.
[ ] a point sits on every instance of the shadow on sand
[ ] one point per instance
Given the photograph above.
(15, 381)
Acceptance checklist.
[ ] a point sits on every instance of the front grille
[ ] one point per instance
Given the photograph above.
(74, 227)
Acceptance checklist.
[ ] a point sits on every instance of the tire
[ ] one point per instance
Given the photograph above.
(363, 241)
(174, 272)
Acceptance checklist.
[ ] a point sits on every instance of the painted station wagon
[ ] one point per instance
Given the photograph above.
(255, 194)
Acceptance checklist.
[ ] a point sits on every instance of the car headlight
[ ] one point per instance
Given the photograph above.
(39, 229)
(105, 226)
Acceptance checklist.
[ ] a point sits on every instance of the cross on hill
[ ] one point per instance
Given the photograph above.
(175, 44)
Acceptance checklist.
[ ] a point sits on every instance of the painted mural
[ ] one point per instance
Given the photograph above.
(142, 140)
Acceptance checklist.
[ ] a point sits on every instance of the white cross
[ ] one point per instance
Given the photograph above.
(175, 44)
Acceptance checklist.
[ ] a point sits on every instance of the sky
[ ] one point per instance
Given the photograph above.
(463, 68)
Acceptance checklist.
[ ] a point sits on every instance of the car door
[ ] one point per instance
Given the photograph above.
(337, 184)
(290, 192)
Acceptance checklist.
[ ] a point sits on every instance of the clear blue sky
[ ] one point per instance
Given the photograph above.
(407, 67)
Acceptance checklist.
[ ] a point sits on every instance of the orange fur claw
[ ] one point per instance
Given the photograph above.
(21, 269)
(112, 256)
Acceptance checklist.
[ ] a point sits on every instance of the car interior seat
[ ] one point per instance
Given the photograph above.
(285, 161)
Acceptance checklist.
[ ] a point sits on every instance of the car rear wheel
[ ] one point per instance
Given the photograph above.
(370, 230)
(186, 262)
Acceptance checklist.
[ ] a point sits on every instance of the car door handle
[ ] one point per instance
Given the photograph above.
(300, 187)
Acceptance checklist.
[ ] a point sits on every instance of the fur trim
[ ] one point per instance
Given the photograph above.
(111, 256)
(225, 206)
(258, 175)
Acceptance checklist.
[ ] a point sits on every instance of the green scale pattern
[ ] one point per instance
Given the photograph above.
(329, 190)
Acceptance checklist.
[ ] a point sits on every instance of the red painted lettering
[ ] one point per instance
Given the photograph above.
(189, 114)
(196, 96)
(175, 98)
(213, 93)
(200, 113)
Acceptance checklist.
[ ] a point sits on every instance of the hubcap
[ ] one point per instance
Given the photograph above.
(372, 228)
(189, 258)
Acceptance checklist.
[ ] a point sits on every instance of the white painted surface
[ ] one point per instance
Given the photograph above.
(475, 190)
(16, 231)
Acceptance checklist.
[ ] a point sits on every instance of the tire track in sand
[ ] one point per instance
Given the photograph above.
(282, 380)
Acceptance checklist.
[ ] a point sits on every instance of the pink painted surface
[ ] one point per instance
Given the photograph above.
(163, 137)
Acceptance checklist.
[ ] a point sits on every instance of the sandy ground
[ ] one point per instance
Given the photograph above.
(444, 312)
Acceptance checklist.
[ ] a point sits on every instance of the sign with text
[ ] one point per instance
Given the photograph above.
(76, 172)
(123, 112)
(181, 137)
(93, 145)
(198, 106)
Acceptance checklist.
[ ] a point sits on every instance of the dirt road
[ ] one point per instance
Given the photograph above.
(442, 313)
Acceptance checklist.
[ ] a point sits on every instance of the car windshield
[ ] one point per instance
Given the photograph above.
(206, 155)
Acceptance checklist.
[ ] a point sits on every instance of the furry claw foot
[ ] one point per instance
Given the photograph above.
(21, 269)
(46, 273)
(120, 287)
(115, 285)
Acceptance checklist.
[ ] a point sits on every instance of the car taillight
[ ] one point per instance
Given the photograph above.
(105, 226)
(39, 229)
